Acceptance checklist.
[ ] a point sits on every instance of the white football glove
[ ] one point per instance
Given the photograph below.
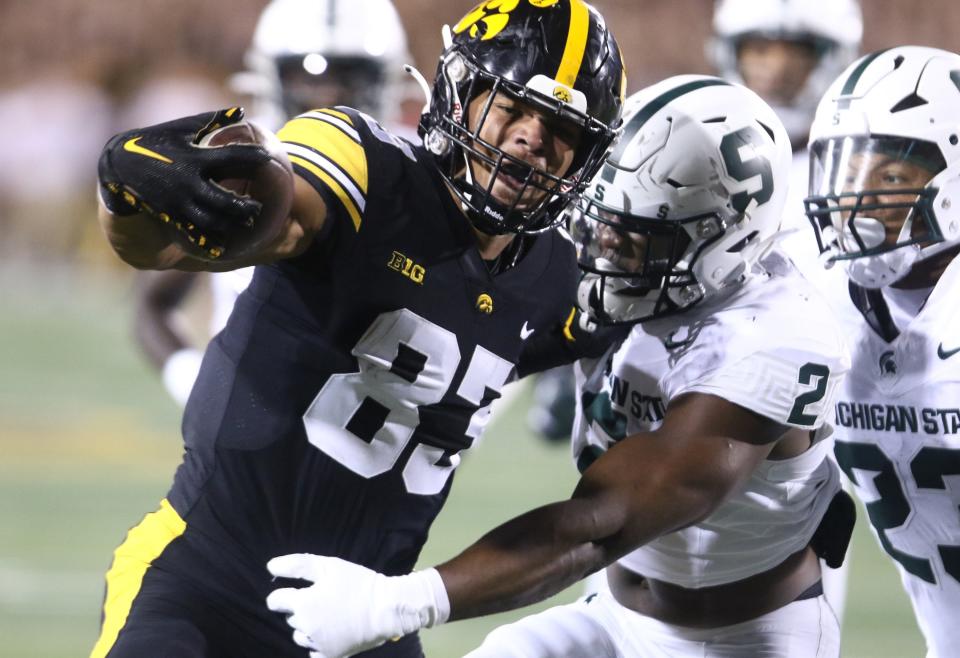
(349, 608)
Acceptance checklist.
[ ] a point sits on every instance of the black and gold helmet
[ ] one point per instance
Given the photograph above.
(556, 55)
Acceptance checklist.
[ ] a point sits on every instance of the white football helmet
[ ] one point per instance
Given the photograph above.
(688, 201)
(833, 27)
(311, 53)
(885, 163)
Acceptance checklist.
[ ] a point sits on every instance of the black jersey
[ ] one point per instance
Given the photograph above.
(330, 413)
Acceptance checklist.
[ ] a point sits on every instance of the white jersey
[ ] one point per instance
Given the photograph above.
(772, 347)
(898, 439)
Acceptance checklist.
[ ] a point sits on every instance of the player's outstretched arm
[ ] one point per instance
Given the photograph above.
(645, 486)
(162, 206)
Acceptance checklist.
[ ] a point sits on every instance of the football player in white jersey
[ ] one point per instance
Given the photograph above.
(885, 200)
(304, 54)
(789, 51)
(702, 438)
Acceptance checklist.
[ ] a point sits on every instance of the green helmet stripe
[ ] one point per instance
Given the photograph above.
(654, 106)
(855, 75)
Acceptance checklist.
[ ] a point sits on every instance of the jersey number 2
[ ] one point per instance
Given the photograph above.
(366, 419)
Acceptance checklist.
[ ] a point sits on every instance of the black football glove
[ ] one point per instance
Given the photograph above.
(161, 171)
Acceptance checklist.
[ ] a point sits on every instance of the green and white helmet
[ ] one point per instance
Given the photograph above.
(833, 27)
(890, 113)
(689, 199)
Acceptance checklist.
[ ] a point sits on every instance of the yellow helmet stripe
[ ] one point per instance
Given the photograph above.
(576, 43)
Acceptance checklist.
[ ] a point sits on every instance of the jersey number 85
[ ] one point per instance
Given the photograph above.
(366, 419)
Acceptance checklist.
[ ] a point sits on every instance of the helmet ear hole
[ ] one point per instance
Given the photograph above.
(739, 246)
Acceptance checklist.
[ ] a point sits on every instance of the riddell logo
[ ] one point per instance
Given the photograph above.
(562, 94)
(493, 213)
(457, 112)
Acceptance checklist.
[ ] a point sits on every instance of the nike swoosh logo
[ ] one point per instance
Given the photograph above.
(525, 333)
(945, 354)
(132, 146)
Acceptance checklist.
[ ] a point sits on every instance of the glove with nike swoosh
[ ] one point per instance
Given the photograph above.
(348, 608)
(161, 171)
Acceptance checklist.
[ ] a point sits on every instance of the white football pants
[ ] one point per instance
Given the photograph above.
(599, 627)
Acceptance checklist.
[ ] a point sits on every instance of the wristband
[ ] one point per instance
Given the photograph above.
(421, 599)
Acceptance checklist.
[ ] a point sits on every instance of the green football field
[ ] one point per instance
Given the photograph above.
(89, 442)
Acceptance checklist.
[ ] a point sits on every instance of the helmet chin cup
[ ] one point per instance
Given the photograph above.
(870, 230)
(883, 269)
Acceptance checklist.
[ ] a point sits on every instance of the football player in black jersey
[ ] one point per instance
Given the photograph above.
(406, 287)
(702, 445)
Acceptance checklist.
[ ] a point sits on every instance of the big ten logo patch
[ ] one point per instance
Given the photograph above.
(489, 18)
(400, 263)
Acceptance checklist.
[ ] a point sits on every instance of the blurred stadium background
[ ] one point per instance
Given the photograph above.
(88, 437)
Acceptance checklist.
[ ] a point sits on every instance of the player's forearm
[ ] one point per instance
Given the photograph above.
(349, 608)
(523, 561)
(615, 509)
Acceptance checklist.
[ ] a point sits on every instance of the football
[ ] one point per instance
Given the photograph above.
(271, 184)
